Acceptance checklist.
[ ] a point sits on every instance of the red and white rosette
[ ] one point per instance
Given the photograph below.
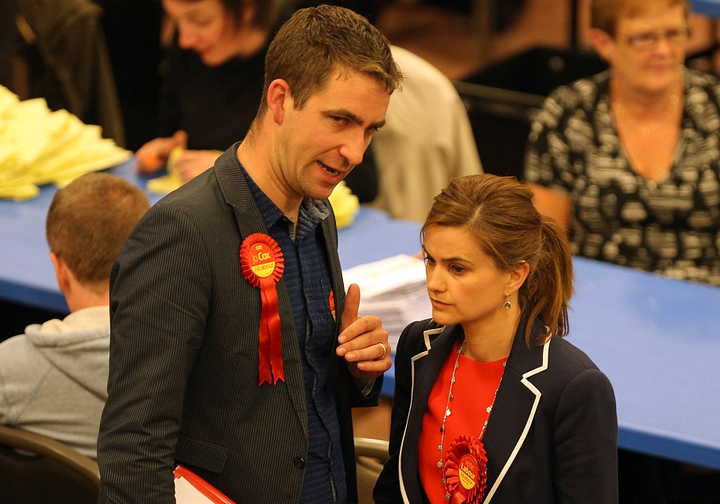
(262, 264)
(466, 470)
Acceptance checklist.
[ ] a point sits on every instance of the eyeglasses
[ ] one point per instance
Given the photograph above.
(649, 40)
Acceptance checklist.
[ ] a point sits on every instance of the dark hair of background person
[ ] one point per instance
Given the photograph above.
(266, 15)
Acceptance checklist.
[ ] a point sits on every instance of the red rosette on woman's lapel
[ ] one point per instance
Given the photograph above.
(466, 470)
(262, 264)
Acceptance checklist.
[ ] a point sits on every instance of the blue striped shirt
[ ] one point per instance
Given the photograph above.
(308, 282)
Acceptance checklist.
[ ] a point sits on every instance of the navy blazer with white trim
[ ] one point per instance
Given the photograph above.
(552, 435)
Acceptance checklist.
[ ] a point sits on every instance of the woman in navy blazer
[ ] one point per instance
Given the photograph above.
(491, 404)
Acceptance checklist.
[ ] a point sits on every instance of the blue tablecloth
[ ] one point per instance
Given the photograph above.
(657, 339)
(707, 7)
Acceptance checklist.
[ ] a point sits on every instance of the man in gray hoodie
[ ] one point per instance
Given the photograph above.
(53, 378)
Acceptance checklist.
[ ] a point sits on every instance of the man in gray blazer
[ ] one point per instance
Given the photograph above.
(234, 349)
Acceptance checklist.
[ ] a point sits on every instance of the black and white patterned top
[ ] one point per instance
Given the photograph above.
(670, 227)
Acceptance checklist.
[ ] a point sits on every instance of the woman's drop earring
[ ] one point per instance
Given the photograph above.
(507, 304)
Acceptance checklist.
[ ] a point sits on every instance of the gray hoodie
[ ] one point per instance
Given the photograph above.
(53, 378)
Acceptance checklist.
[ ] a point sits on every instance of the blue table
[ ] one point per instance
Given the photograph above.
(657, 339)
(707, 7)
(26, 273)
(27, 276)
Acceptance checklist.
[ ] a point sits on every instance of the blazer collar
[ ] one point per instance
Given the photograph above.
(517, 404)
(234, 188)
(426, 365)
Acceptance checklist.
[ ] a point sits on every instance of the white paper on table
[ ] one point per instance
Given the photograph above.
(386, 275)
(393, 289)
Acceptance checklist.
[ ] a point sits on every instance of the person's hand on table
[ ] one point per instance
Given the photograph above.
(153, 156)
(192, 163)
(363, 341)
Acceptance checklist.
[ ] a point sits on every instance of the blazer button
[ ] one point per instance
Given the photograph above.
(299, 462)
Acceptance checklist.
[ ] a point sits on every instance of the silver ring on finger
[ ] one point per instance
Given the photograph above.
(385, 351)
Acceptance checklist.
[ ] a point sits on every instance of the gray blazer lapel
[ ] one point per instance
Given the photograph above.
(249, 220)
(515, 408)
(331, 246)
(330, 237)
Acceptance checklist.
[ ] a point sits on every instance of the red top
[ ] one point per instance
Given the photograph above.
(474, 390)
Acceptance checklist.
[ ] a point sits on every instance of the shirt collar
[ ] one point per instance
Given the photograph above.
(312, 211)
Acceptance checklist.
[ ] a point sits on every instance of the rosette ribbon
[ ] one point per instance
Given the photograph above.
(466, 470)
(262, 265)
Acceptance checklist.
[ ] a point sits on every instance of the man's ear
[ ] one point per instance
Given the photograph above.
(279, 99)
(61, 273)
(603, 43)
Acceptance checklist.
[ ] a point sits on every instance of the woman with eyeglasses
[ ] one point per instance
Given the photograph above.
(628, 160)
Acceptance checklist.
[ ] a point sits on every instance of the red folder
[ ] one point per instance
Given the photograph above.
(192, 489)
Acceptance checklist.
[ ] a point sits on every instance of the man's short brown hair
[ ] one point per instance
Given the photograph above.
(89, 220)
(318, 41)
